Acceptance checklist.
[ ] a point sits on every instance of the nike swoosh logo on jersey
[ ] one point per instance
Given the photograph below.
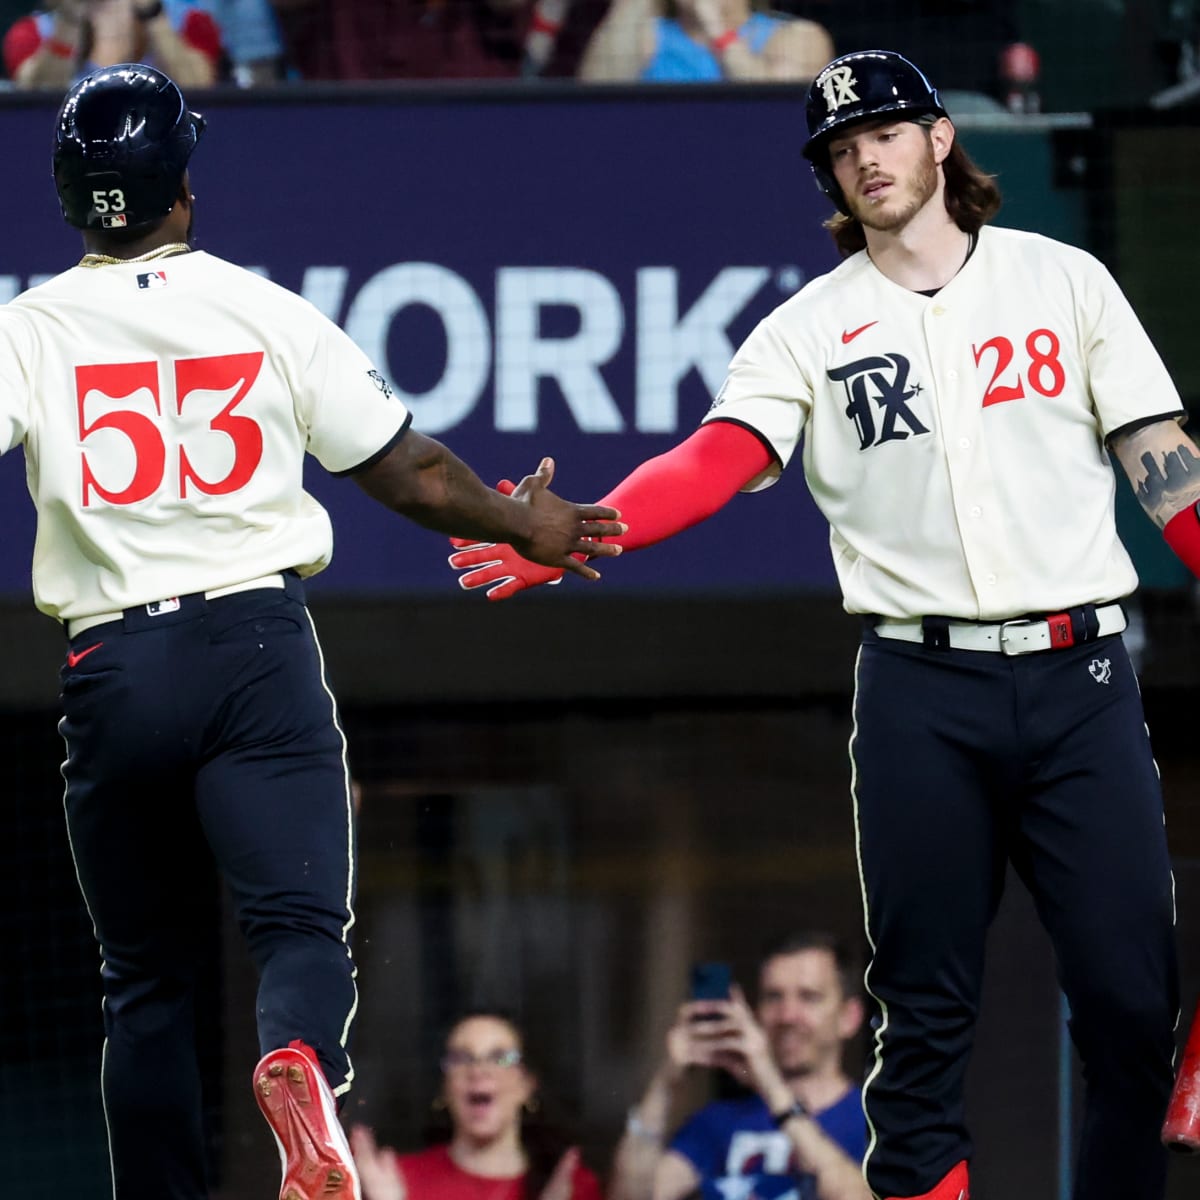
(73, 659)
(849, 335)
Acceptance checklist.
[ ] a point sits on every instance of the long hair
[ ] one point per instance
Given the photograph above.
(543, 1140)
(972, 200)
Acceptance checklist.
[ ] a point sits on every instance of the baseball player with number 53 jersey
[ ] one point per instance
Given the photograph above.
(955, 392)
(165, 401)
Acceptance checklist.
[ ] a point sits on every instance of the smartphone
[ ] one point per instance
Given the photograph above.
(711, 981)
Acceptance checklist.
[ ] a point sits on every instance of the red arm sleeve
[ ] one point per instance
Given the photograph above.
(1182, 532)
(680, 488)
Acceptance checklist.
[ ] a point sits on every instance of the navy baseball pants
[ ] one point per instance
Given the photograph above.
(963, 761)
(204, 740)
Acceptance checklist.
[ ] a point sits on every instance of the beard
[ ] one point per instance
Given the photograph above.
(922, 186)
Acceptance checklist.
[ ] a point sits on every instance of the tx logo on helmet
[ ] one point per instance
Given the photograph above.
(838, 86)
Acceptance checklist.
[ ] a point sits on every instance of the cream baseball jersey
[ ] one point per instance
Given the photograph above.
(166, 408)
(955, 443)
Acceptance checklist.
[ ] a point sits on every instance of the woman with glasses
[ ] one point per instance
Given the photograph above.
(497, 1146)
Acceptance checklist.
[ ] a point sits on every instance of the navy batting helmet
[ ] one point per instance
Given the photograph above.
(863, 86)
(122, 143)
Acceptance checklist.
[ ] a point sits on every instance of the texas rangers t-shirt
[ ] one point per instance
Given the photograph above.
(165, 409)
(740, 1155)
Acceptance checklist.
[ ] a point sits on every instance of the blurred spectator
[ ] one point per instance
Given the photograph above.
(702, 41)
(493, 1140)
(54, 46)
(404, 39)
(252, 41)
(801, 1131)
(960, 43)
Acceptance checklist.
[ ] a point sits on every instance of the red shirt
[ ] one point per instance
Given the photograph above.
(433, 1175)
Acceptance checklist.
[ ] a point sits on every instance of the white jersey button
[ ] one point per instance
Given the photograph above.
(964, 443)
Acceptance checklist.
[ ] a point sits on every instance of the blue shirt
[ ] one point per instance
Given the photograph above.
(678, 59)
(740, 1155)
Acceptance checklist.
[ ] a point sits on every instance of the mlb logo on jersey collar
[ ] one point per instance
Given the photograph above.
(152, 279)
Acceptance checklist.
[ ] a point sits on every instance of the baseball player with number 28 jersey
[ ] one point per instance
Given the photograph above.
(166, 401)
(956, 391)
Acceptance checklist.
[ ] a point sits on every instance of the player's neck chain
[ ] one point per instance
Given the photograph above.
(108, 260)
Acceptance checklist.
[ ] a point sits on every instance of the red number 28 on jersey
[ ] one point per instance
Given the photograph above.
(235, 372)
(1046, 374)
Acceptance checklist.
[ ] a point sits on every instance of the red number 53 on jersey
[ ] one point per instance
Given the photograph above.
(122, 381)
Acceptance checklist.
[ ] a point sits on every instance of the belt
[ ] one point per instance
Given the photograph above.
(1056, 631)
(77, 625)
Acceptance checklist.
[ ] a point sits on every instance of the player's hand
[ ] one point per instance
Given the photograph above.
(501, 570)
(564, 534)
(377, 1170)
(498, 568)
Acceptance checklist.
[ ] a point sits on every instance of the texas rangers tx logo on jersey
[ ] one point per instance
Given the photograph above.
(837, 87)
(879, 382)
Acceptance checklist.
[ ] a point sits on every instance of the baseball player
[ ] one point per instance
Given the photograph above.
(165, 400)
(955, 392)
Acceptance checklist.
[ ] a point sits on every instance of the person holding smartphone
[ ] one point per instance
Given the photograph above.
(799, 1132)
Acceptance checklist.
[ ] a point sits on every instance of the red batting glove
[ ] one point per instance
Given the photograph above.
(497, 566)
(500, 569)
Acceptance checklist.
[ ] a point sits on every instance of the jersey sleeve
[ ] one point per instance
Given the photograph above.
(349, 409)
(16, 353)
(766, 392)
(1127, 379)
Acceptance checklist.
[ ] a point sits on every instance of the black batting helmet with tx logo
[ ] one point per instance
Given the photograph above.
(862, 86)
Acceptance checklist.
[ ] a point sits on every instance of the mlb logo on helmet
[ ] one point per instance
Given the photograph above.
(114, 221)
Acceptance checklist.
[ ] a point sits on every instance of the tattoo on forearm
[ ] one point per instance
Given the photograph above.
(1171, 482)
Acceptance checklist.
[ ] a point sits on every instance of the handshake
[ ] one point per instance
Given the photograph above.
(497, 567)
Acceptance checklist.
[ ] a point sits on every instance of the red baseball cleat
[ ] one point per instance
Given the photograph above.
(953, 1186)
(313, 1152)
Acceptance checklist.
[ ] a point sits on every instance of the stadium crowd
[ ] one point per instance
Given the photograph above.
(985, 53)
(977, 48)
